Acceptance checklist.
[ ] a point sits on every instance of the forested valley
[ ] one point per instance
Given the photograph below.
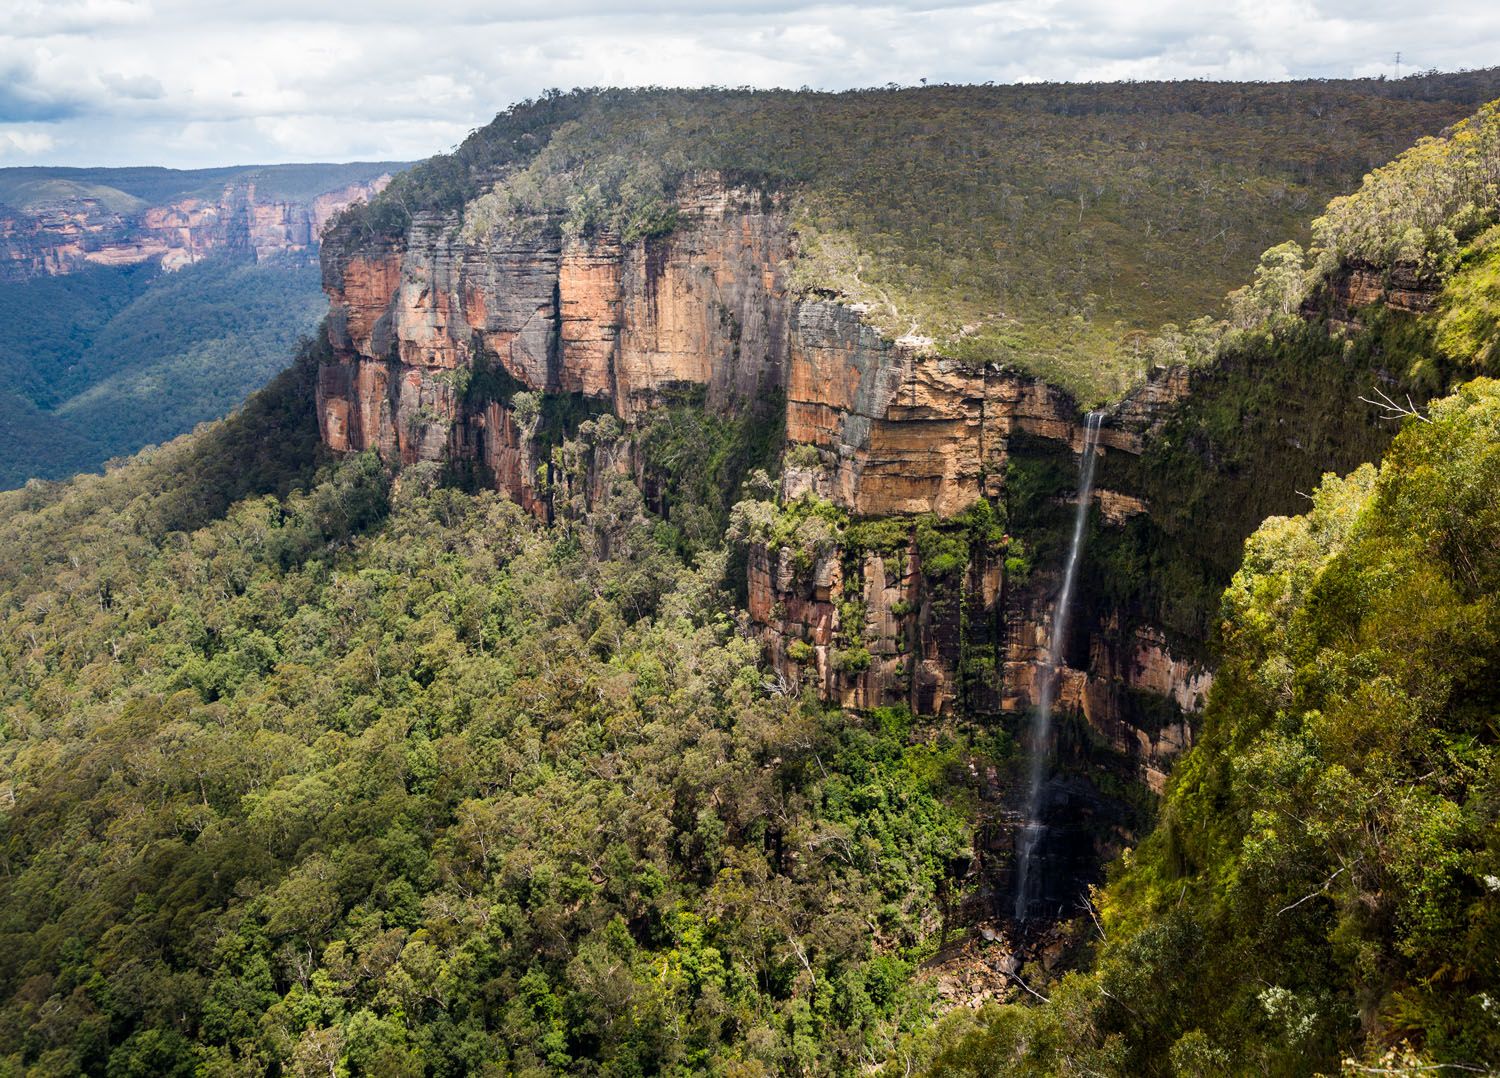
(99, 363)
(347, 763)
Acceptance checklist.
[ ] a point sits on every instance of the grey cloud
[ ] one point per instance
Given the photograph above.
(24, 98)
(284, 79)
(135, 87)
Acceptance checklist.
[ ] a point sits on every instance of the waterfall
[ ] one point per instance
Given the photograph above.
(1041, 720)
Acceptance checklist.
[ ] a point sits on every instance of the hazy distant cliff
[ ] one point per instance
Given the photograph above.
(138, 302)
(56, 221)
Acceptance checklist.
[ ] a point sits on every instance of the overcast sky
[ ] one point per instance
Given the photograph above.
(211, 82)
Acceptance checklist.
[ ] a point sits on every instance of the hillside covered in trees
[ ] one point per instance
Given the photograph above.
(96, 364)
(1322, 887)
(312, 765)
(395, 778)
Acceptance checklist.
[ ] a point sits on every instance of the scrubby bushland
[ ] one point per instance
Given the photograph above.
(1047, 226)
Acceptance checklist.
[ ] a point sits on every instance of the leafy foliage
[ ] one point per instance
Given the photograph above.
(381, 780)
(1325, 878)
(1468, 326)
(1421, 207)
(694, 462)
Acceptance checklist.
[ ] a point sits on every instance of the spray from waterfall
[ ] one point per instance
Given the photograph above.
(1041, 720)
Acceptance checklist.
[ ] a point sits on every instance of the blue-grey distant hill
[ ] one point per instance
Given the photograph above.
(154, 186)
(136, 303)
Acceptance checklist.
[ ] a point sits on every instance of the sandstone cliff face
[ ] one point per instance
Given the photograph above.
(63, 236)
(1400, 287)
(896, 428)
(900, 430)
(706, 306)
(974, 642)
(887, 428)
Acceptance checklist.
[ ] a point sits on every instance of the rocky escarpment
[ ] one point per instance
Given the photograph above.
(933, 436)
(456, 345)
(622, 324)
(437, 336)
(1402, 287)
(59, 235)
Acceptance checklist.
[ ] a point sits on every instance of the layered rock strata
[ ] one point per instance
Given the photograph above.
(65, 235)
(706, 306)
(435, 336)
(1401, 287)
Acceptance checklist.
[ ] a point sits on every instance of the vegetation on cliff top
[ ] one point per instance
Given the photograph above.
(1046, 226)
(1420, 209)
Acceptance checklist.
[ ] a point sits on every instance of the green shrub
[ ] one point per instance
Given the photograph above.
(852, 660)
(803, 456)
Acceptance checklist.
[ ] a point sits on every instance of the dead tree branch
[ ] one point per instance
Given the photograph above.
(1393, 410)
(1017, 978)
(1321, 890)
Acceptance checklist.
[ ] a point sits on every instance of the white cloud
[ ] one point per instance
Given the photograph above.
(24, 142)
(201, 82)
(29, 18)
(139, 87)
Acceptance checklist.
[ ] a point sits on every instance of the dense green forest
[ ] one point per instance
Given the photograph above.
(392, 778)
(1047, 226)
(387, 778)
(98, 363)
(313, 766)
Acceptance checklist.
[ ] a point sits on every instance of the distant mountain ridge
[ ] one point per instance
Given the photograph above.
(138, 302)
(55, 221)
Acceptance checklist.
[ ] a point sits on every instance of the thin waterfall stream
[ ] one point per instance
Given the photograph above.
(1041, 719)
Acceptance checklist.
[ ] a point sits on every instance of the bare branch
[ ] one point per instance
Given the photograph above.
(1410, 1067)
(1315, 894)
(1088, 904)
(1017, 978)
(1393, 410)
